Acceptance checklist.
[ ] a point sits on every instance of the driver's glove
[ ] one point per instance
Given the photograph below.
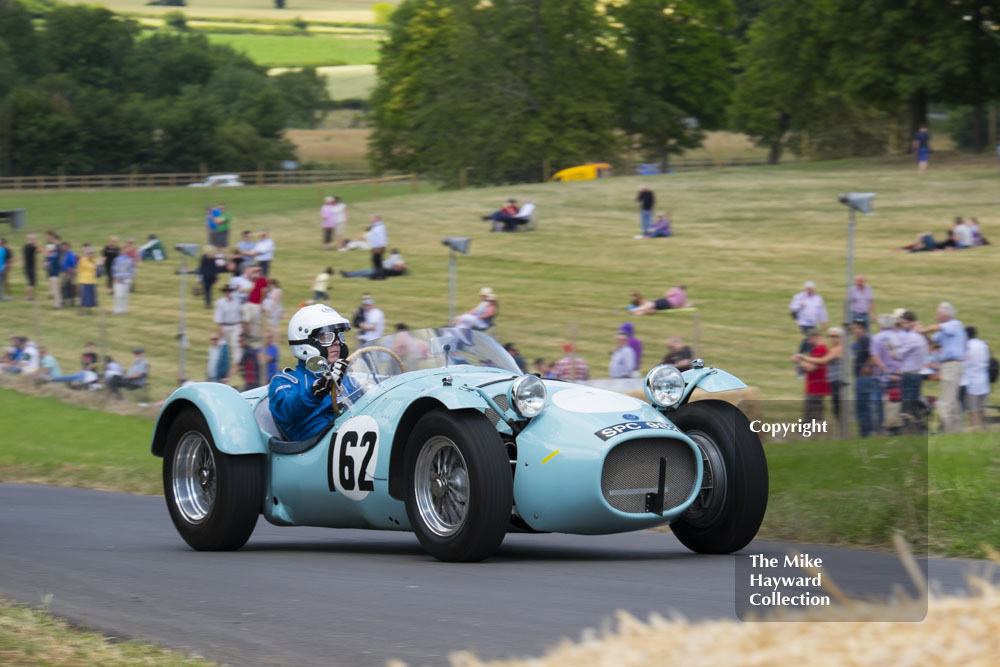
(321, 387)
(339, 368)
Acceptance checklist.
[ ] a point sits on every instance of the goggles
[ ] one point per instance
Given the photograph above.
(326, 335)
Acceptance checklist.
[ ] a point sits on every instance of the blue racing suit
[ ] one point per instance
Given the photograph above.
(295, 410)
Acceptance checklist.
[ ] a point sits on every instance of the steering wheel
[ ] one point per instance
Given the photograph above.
(377, 348)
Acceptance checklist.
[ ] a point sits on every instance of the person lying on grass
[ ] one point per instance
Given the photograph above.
(672, 299)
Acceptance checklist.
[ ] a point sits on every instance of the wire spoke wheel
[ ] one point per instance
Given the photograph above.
(711, 498)
(194, 479)
(441, 485)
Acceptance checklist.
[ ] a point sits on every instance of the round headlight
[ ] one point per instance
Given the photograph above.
(664, 386)
(528, 395)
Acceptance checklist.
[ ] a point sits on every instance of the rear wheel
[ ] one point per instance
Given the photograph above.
(213, 498)
(730, 507)
(459, 489)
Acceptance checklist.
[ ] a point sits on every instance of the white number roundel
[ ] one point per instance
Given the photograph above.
(355, 452)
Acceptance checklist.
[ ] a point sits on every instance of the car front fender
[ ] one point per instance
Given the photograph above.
(709, 379)
(228, 415)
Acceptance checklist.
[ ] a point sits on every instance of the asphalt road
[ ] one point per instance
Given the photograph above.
(301, 596)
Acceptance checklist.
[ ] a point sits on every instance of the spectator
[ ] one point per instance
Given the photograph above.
(271, 356)
(48, 367)
(112, 370)
(816, 384)
(622, 364)
(481, 317)
(807, 308)
(831, 359)
(673, 298)
(29, 254)
(949, 333)
(543, 368)
(272, 304)
(393, 266)
(248, 364)
(153, 249)
(334, 214)
(922, 147)
(253, 309)
(123, 271)
(243, 283)
(87, 270)
(884, 362)
(6, 259)
(134, 378)
(132, 251)
(571, 367)
(645, 200)
(228, 317)
(53, 266)
(373, 325)
(865, 390)
(111, 250)
(87, 375)
(219, 222)
(218, 364)
(963, 234)
(518, 359)
(263, 252)
(659, 229)
(211, 264)
(633, 342)
(407, 346)
(321, 285)
(244, 248)
(509, 217)
(67, 269)
(21, 356)
(508, 210)
(925, 242)
(378, 240)
(862, 301)
(678, 354)
(977, 235)
(976, 377)
(911, 353)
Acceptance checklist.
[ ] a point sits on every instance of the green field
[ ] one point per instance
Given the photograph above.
(312, 50)
(356, 11)
(745, 240)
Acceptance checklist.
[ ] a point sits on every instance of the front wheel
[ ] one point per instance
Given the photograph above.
(730, 506)
(213, 498)
(459, 489)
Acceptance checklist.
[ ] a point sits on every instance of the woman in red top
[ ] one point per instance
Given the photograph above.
(816, 385)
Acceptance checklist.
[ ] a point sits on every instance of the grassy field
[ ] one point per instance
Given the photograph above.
(353, 11)
(835, 492)
(745, 241)
(311, 50)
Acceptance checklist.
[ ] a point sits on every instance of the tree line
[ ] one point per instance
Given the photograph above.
(495, 84)
(82, 92)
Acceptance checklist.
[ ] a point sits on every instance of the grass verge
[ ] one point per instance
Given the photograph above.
(29, 638)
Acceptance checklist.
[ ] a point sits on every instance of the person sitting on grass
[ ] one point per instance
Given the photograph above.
(510, 216)
(393, 265)
(924, 243)
(673, 298)
(134, 378)
(659, 229)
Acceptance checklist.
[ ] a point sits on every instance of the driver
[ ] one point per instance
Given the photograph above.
(300, 399)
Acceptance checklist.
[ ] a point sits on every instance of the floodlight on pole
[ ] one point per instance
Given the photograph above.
(455, 244)
(861, 202)
(186, 250)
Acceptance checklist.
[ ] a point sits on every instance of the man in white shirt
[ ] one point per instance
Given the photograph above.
(862, 301)
(976, 377)
(378, 239)
(373, 325)
(808, 308)
(963, 234)
(229, 317)
(243, 283)
(263, 252)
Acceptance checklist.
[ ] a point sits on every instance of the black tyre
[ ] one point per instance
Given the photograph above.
(213, 498)
(729, 509)
(459, 487)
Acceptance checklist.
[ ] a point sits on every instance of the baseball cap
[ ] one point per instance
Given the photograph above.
(898, 313)
(626, 328)
(367, 301)
(809, 283)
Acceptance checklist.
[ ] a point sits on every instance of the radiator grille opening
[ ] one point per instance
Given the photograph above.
(632, 469)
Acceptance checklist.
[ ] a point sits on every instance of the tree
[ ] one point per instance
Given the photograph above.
(90, 44)
(677, 74)
(304, 95)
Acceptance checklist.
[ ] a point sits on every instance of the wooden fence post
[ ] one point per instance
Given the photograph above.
(414, 184)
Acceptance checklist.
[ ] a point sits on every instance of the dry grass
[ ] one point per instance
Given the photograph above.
(344, 147)
(349, 11)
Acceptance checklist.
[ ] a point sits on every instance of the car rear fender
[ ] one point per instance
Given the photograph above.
(709, 379)
(228, 415)
(446, 398)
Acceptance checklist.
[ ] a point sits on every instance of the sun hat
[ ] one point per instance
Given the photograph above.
(487, 294)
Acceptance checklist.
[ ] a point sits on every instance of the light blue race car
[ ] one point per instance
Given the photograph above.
(442, 435)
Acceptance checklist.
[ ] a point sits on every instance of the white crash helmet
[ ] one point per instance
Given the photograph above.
(312, 330)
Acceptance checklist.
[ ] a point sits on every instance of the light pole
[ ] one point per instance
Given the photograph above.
(854, 201)
(455, 244)
(186, 250)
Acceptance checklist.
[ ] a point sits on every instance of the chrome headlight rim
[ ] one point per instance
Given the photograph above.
(655, 378)
(520, 403)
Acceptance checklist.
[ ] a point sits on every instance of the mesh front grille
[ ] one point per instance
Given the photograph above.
(632, 469)
(501, 401)
(492, 415)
